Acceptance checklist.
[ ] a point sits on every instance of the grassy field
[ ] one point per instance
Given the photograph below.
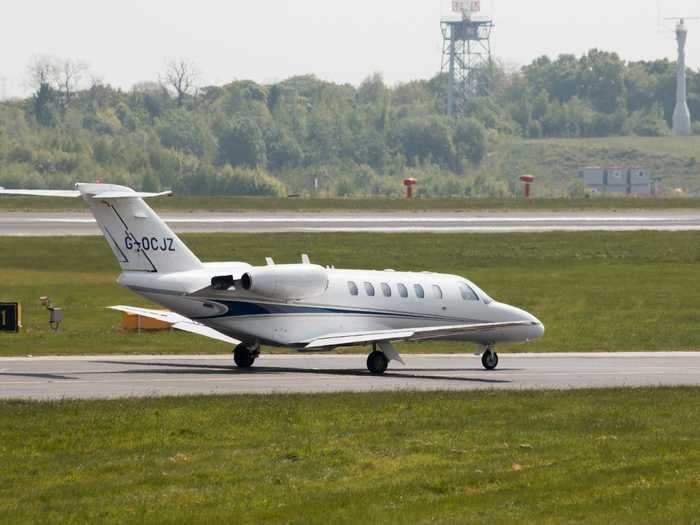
(674, 162)
(593, 291)
(617, 456)
(270, 204)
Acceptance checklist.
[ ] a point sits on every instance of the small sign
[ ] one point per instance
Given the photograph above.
(10, 317)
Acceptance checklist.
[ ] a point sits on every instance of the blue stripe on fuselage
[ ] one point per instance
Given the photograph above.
(247, 309)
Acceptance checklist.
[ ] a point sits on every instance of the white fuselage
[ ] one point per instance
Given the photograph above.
(353, 301)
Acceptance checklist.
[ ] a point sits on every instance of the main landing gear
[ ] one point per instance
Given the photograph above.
(244, 356)
(382, 354)
(377, 363)
(489, 359)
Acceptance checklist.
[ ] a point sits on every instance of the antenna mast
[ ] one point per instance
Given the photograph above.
(466, 54)
(682, 126)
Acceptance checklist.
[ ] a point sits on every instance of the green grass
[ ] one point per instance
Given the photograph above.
(673, 161)
(610, 456)
(270, 204)
(594, 291)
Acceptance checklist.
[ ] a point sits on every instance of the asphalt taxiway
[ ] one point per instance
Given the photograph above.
(147, 376)
(47, 224)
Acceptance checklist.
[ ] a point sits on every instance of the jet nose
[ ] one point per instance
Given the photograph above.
(535, 330)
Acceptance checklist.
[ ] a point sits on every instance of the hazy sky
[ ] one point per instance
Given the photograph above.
(129, 41)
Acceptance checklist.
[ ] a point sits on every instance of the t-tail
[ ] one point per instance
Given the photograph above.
(139, 239)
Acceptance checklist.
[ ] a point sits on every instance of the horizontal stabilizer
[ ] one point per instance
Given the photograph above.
(412, 334)
(179, 322)
(66, 194)
(129, 195)
(95, 193)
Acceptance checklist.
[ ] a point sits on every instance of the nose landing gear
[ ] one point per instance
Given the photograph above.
(489, 359)
(244, 356)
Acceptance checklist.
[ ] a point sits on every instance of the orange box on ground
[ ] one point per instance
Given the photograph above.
(136, 322)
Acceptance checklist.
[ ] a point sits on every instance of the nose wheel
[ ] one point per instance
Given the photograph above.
(489, 359)
(245, 356)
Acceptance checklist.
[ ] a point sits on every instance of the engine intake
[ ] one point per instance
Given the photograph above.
(222, 283)
(286, 282)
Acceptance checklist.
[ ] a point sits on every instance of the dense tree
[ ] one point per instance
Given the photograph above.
(373, 90)
(426, 140)
(246, 137)
(470, 140)
(44, 105)
(241, 143)
(603, 80)
(179, 130)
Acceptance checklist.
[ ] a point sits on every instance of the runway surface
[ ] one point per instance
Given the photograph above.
(143, 376)
(41, 224)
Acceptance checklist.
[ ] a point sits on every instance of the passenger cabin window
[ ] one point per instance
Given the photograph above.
(403, 291)
(369, 288)
(467, 293)
(353, 288)
(386, 290)
(437, 292)
(420, 292)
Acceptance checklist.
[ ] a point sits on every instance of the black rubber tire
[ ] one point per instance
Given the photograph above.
(377, 363)
(490, 360)
(243, 357)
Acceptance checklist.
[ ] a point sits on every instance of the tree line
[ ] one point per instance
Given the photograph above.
(306, 135)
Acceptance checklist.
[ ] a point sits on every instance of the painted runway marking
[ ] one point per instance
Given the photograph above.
(34, 224)
(374, 220)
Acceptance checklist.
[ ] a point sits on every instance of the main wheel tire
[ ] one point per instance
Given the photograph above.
(490, 360)
(377, 363)
(244, 357)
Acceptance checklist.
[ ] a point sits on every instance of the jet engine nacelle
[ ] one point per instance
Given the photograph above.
(286, 282)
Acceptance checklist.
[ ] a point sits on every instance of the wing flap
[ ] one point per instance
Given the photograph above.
(332, 341)
(415, 334)
(179, 322)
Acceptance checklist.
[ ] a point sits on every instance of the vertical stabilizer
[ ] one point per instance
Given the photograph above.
(140, 240)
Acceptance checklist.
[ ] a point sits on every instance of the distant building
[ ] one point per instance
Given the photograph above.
(619, 180)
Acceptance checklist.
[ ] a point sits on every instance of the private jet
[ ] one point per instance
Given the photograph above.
(305, 307)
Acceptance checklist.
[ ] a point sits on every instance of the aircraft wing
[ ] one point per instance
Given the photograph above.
(42, 193)
(412, 334)
(179, 322)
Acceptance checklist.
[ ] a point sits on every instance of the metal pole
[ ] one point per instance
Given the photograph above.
(451, 86)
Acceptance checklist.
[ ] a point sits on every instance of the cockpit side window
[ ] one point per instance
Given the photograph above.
(467, 293)
(403, 291)
(420, 292)
(353, 288)
(437, 292)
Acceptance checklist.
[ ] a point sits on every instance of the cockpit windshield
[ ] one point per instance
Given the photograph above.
(476, 290)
